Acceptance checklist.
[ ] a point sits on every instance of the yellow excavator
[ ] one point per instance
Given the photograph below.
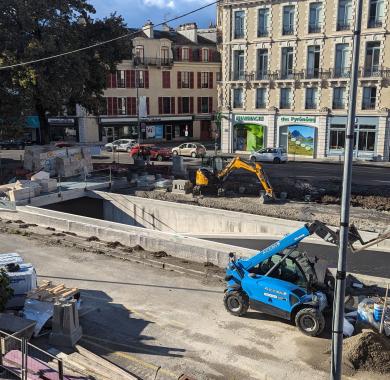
(211, 175)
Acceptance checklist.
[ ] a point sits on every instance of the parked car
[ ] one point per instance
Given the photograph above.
(275, 155)
(13, 144)
(160, 153)
(190, 150)
(122, 145)
(140, 149)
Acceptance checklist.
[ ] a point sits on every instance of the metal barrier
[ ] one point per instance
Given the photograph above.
(21, 358)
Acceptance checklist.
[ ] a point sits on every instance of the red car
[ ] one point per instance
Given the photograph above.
(154, 152)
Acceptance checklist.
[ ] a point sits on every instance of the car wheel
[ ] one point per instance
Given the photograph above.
(277, 160)
(236, 303)
(175, 153)
(310, 321)
(193, 155)
(253, 159)
(159, 158)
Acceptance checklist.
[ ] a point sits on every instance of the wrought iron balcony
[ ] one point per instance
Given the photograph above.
(289, 75)
(243, 76)
(288, 30)
(151, 61)
(341, 25)
(341, 72)
(261, 105)
(375, 72)
(285, 105)
(338, 105)
(368, 105)
(375, 23)
(263, 33)
(314, 28)
(309, 105)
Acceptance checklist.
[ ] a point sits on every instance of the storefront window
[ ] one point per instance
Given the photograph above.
(248, 137)
(366, 140)
(337, 136)
(59, 133)
(298, 139)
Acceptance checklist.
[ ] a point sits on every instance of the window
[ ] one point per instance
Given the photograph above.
(285, 98)
(122, 102)
(344, 15)
(205, 55)
(315, 21)
(120, 79)
(185, 104)
(366, 138)
(339, 98)
(185, 79)
(141, 78)
(166, 103)
(375, 17)
(139, 53)
(204, 80)
(166, 79)
(337, 137)
(204, 105)
(261, 97)
(313, 62)
(369, 98)
(287, 62)
(342, 61)
(185, 54)
(239, 24)
(311, 101)
(164, 55)
(371, 66)
(263, 20)
(288, 20)
(239, 73)
(262, 64)
(237, 98)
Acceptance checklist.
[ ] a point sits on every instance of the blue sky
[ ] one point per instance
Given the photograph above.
(136, 12)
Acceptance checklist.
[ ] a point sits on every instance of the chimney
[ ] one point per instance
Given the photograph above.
(189, 31)
(148, 29)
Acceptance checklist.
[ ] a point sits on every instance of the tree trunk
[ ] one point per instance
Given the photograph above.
(44, 130)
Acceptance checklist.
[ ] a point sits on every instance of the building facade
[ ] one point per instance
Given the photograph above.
(286, 76)
(168, 90)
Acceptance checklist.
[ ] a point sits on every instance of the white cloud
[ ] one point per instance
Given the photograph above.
(160, 3)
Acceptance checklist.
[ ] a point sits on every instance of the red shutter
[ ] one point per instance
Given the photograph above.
(146, 76)
(199, 105)
(127, 78)
(210, 104)
(191, 79)
(129, 106)
(108, 80)
(160, 105)
(179, 55)
(114, 106)
(109, 107)
(148, 105)
(166, 79)
(199, 80)
(179, 105)
(134, 105)
(179, 79)
(113, 80)
(173, 105)
(132, 78)
(211, 80)
(190, 57)
(191, 104)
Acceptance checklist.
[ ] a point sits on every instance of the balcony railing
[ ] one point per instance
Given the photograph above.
(342, 25)
(368, 105)
(243, 76)
(314, 28)
(120, 83)
(263, 33)
(340, 72)
(375, 23)
(266, 75)
(285, 105)
(151, 61)
(288, 30)
(375, 72)
(338, 105)
(309, 105)
(292, 75)
(261, 105)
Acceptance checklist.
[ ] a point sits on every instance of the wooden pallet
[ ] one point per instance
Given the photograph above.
(49, 292)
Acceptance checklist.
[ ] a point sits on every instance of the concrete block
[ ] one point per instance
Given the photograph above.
(181, 186)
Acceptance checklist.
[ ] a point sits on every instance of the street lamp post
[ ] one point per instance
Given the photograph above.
(339, 294)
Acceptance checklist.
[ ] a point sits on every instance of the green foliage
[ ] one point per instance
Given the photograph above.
(34, 29)
(5, 289)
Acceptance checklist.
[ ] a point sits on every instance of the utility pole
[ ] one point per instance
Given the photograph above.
(339, 294)
(138, 118)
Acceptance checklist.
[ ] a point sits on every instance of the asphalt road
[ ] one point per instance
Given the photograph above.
(372, 263)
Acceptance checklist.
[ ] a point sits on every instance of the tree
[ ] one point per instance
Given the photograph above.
(5, 289)
(34, 29)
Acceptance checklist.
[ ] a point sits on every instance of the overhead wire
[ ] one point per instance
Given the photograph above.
(55, 56)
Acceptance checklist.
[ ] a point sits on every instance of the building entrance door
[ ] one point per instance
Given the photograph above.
(168, 132)
(205, 130)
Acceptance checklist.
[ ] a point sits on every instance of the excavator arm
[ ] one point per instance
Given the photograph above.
(255, 168)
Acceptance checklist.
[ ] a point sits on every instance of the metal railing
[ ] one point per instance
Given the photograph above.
(261, 105)
(315, 28)
(288, 31)
(338, 105)
(374, 23)
(151, 61)
(340, 72)
(291, 75)
(368, 105)
(285, 105)
(370, 72)
(343, 26)
(311, 105)
(263, 33)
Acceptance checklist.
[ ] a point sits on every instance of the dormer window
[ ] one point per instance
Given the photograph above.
(205, 54)
(185, 54)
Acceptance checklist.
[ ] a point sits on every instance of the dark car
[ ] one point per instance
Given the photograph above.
(13, 144)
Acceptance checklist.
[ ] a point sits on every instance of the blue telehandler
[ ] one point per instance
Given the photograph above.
(283, 282)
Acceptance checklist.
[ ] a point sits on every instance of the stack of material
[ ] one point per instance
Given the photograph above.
(65, 162)
(43, 179)
(24, 190)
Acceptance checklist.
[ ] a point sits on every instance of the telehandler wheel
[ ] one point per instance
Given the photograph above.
(236, 303)
(310, 321)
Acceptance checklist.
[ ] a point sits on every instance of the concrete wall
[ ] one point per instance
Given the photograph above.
(196, 220)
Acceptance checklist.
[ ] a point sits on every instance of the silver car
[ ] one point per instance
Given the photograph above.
(122, 145)
(275, 155)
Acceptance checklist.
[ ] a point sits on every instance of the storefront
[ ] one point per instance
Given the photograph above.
(298, 134)
(63, 129)
(365, 136)
(152, 129)
(249, 132)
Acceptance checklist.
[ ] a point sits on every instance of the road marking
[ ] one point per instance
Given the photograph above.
(129, 357)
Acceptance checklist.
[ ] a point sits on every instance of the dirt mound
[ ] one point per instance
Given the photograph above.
(368, 351)
(374, 202)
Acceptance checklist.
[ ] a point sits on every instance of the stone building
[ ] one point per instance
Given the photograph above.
(286, 76)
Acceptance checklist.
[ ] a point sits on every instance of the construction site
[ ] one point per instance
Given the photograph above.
(122, 268)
